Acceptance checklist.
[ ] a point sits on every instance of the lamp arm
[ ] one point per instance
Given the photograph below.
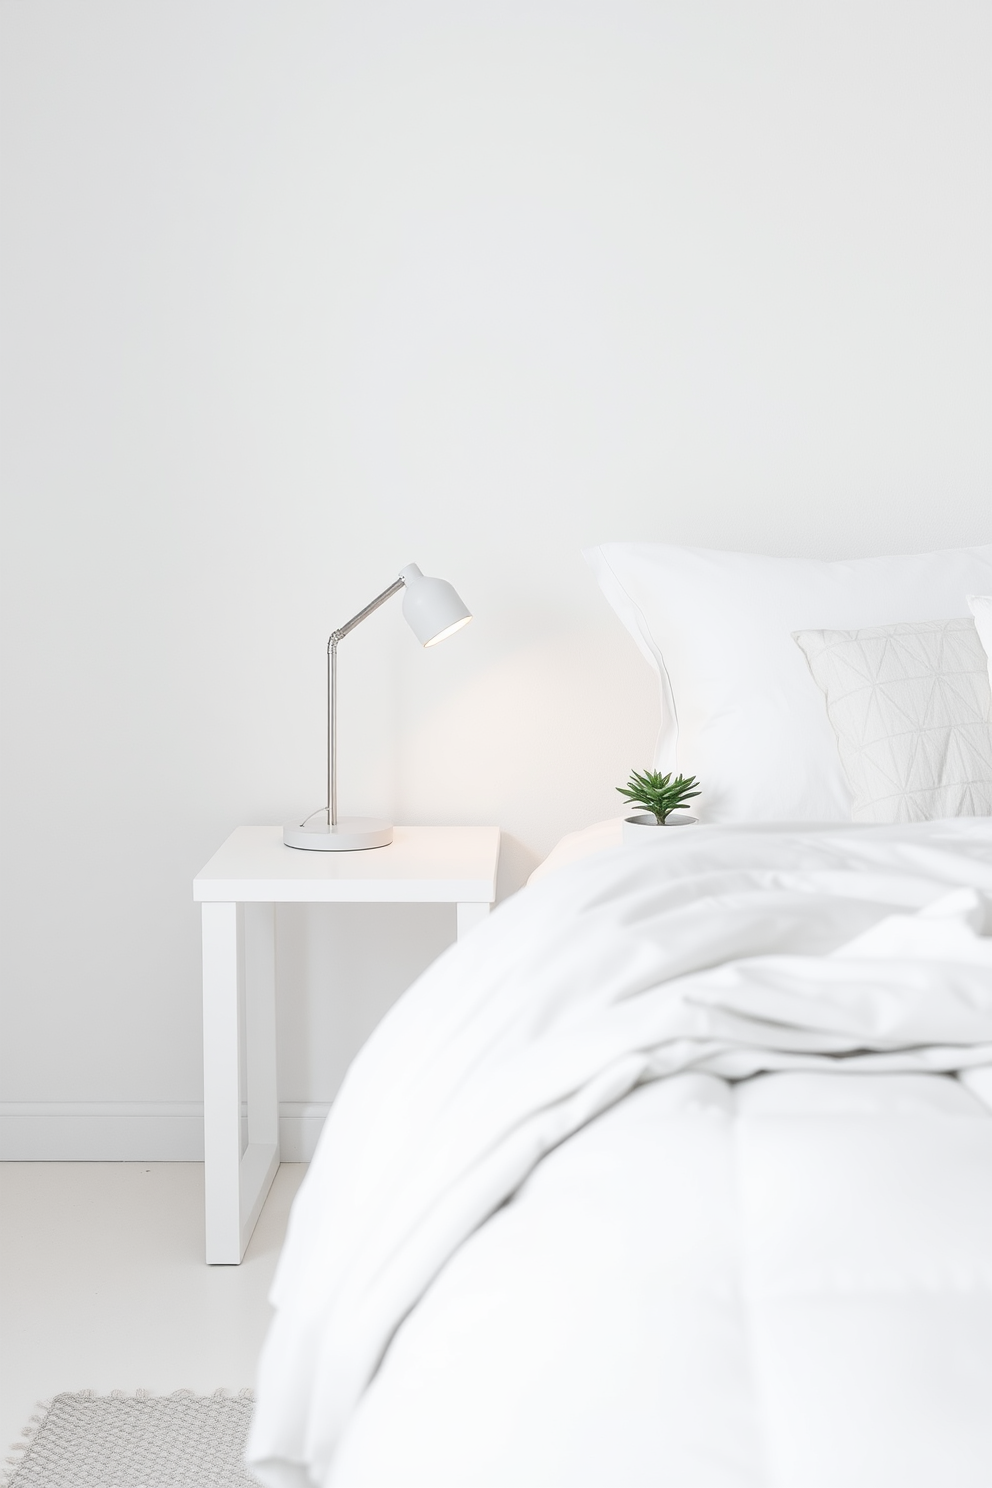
(380, 599)
(332, 694)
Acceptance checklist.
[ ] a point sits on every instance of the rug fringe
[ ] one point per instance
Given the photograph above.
(28, 1434)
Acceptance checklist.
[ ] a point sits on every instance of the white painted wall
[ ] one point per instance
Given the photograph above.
(296, 293)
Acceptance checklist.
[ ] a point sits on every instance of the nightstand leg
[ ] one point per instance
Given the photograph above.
(470, 915)
(221, 1084)
(238, 950)
(259, 1164)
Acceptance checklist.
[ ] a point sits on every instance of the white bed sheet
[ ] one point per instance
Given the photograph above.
(572, 848)
(569, 1279)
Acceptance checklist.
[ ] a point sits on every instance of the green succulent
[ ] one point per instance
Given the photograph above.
(659, 793)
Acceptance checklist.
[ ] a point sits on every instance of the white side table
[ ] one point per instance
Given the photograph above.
(238, 890)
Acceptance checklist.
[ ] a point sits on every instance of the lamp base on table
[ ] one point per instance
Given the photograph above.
(350, 834)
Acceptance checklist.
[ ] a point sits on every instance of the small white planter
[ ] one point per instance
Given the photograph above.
(640, 827)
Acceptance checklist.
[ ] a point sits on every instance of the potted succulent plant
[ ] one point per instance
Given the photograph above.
(662, 796)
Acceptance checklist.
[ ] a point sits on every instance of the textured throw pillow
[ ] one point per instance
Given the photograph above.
(911, 707)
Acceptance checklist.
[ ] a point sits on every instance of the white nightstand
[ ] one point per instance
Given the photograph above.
(238, 890)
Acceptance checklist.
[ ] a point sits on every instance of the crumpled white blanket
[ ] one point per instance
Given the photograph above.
(730, 950)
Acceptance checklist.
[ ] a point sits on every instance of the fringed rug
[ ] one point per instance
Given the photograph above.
(135, 1441)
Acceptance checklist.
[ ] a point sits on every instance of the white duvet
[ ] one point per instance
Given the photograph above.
(659, 1178)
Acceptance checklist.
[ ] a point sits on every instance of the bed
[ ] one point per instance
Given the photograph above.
(678, 1171)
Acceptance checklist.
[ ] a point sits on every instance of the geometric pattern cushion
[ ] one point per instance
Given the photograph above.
(911, 706)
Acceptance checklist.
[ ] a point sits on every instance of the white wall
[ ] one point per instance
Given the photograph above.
(296, 293)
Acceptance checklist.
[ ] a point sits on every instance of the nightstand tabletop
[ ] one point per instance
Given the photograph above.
(422, 865)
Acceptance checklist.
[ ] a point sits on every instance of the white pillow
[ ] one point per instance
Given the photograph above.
(980, 606)
(912, 710)
(739, 706)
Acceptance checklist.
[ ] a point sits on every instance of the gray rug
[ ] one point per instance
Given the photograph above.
(137, 1441)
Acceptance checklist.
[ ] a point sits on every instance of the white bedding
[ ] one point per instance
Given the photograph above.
(782, 1281)
(582, 844)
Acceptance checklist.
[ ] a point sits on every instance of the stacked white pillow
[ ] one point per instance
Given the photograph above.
(740, 707)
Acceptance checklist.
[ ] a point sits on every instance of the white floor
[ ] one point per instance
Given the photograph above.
(103, 1285)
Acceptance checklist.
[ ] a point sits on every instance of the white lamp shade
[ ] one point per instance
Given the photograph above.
(431, 607)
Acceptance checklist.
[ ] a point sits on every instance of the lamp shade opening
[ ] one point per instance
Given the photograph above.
(444, 634)
(431, 607)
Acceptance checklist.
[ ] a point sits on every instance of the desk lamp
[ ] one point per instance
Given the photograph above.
(433, 612)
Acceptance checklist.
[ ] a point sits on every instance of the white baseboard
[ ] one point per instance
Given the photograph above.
(300, 1124)
(134, 1131)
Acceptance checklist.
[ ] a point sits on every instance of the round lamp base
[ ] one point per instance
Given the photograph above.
(350, 834)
